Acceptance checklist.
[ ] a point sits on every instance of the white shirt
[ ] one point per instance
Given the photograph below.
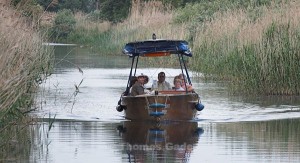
(161, 86)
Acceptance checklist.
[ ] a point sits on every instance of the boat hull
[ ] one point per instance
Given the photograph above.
(173, 107)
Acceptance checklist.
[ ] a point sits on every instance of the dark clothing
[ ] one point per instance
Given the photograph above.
(137, 89)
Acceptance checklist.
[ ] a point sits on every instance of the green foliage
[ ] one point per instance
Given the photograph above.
(89, 5)
(178, 3)
(64, 24)
(15, 2)
(115, 10)
(16, 141)
(269, 67)
(74, 5)
(29, 8)
(198, 12)
(14, 113)
(111, 10)
(104, 42)
(95, 15)
(204, 10)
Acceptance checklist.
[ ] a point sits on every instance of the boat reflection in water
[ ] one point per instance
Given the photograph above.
(157, 142)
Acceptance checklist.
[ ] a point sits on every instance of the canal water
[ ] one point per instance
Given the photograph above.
(78, 121)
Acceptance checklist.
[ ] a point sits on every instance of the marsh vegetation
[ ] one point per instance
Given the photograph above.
(252, 44)
(24, 64)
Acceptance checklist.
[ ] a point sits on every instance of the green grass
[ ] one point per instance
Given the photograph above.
(100, 42)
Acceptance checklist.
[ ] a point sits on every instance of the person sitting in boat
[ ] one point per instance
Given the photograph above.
(146, 90)
(185, 85)
(138, 86)
(161, 84)
(177, 85)
(133, 79)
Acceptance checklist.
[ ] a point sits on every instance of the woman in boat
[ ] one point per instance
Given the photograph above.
(177, 85)
(185, 85)
(138, 86)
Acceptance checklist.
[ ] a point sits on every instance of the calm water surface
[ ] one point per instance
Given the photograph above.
(85, 127)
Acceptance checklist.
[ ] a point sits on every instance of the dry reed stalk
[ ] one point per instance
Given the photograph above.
(22, 59)
(236, 23)
(147, 18)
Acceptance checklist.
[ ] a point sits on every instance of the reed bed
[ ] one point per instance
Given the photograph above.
(24, 63)
(260, 57)
(16, 142)
(145, 18)
(255, 48)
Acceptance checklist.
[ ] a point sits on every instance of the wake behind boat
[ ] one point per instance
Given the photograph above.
(170, 105)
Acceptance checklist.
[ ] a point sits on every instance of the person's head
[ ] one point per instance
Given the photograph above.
(177, 83)
(141, 79)
(161, 77)
(182, 78)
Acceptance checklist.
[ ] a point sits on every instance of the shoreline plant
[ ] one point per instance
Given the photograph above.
(24, 63)
(256, 57)
(251, 44)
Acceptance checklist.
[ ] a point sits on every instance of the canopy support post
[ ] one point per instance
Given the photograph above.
(137, 61)
(186, 72)
(128, 82)
(181, 60)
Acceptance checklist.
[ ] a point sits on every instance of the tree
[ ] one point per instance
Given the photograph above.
(64, 23)
(114, 10)
(74, 5)
(179, 3)
(49, 5)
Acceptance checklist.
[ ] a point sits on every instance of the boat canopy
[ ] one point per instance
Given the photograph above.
(154, 48)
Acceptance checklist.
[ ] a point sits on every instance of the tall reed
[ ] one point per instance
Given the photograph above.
(24, 63)
(16, 142)
(256, 47)
(260, 56)
(145, 19)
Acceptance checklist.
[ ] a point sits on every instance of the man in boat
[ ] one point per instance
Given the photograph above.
(161, 84)
(138, 86)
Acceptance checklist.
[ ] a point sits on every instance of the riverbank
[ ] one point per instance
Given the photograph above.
(252, 45)
(258, 56)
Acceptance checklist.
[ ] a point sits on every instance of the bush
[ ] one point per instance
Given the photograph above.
(95, 15)
(204, 10)
(115, 11)
(64, 24)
